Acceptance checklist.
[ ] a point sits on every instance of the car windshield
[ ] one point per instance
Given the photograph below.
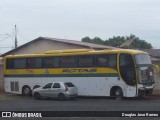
(69, 84)
(142, 59)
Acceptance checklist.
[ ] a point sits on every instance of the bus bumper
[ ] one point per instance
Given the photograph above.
(145, 92)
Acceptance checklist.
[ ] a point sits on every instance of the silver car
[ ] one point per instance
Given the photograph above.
(60, 90)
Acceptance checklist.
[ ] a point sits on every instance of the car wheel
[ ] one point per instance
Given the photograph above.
(61, 96)
(37, 96)
(26, 91)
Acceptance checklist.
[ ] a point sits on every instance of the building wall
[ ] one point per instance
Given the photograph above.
(44, 45)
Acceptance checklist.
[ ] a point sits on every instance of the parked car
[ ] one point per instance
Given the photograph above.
(60, 90)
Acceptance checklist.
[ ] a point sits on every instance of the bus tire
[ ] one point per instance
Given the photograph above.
(26, 91)
(118, 93)
(37, 96)
(61, 96)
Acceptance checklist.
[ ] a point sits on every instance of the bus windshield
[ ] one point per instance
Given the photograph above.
(145, 69)
(142, 59)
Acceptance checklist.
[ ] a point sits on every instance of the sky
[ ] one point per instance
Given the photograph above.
(75, 19)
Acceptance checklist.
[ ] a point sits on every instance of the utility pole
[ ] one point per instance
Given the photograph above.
(16, 37)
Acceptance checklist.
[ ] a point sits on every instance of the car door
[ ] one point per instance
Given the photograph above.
(56, 89)
(46, 90)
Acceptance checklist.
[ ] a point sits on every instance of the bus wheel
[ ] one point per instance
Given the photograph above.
(61, 96)
(26, 91)
(118, 93)
(37, 96)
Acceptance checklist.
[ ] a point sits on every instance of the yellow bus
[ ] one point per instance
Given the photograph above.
(119, 72)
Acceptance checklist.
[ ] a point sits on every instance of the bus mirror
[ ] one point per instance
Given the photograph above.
(156, 67)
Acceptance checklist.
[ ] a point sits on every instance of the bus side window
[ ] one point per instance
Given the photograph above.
(51, 62)
(68, 62)
(34, 62)
(102, 61)
(107, 60)
(86, 61)
(9, 63)
(31, 63)
(20, 63)
(112, 61)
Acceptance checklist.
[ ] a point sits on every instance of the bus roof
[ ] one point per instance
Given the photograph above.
(78, 52)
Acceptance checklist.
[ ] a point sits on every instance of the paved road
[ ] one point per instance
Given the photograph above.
(21, 103)
(14, 102)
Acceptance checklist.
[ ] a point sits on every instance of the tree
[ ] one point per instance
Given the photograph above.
(86, 39)
(116, 41)
(119, 40)
(95, 40)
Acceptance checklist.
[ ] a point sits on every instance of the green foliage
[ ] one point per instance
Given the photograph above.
(118, 41)
(95, 40)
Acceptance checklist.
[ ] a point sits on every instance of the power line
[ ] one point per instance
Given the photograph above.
(4, 39)
(6, 47)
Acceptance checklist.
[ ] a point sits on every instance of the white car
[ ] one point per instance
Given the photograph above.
(60, 90)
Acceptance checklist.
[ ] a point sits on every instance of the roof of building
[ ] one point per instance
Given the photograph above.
(74, 42)
(153, 52)
(154, 59)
